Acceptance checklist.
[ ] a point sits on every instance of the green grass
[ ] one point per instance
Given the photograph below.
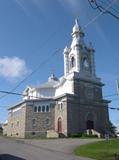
(102, 150)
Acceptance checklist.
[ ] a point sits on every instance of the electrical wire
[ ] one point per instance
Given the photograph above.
(97, 16)
(19, 94)
(102, 9)
(34, 71)
(91, 21)
(91, 4)
(106, 3)
(117, 5)
(110, 95)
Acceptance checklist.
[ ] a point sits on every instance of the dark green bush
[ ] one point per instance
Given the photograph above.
(75, 135)
(90, 135)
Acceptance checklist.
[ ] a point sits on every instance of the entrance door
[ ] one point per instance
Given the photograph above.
(90, 124)
(59, 125)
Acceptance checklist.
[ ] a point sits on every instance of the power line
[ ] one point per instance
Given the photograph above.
(110, 95)
(19, 94)
(85, 26)
(106, 3)
(115, 99)
(113, 108)
(117, 5)
(101, 13)
(34, 71)
(91, 4)
(102, 9)
(44, 42)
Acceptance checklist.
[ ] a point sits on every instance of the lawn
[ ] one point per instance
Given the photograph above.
(102, 150)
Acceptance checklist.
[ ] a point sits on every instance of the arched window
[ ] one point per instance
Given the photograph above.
(72, 62)
(35, 109)
(39, 109)
(43, 108)
(85, 63)
(59, 127)
(90, 121)
(47, 109)
(61, 106)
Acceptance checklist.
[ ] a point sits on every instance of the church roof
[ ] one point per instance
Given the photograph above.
(77, 27)
(52, 83)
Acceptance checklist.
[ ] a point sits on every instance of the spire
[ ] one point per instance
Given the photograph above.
(76, 27)
(76, 21)
(66, 50)
(77, 35)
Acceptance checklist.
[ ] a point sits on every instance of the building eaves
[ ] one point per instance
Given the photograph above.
(16, 105)
(30, 100)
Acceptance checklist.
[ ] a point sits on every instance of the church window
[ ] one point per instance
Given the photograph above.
(85, 63)
(34, 122)
(35, 109)
(43, 108)
(47, 109)
(59, 127)
(89, 92)
(17, 123)
(60, 106)
(90, 121)
(33, 133)
(39, 109)
(72, 62)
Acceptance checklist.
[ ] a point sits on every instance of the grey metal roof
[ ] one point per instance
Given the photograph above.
(51, 84)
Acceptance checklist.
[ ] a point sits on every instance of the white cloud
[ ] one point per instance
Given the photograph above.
(12, 68)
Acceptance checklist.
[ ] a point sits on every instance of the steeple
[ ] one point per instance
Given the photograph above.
(77, 35)
(79, 57)
(76, 27)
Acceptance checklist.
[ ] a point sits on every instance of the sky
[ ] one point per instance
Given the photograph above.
(31, 31)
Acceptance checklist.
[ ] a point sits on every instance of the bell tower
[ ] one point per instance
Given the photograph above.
(86, 105)
(79, 57)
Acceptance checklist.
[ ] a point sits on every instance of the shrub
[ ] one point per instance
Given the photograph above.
(89, 136)
(75, 135)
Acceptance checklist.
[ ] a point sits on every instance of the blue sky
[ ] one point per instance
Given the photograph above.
(31, 30)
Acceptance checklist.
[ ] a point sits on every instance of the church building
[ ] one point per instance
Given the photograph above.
(71, 104)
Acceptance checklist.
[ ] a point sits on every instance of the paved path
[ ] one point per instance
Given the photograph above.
(60, 145)
(57, 149)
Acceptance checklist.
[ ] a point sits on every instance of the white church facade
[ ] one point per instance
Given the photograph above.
(67, 105)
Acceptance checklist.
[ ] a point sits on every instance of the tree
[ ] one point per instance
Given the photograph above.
(112, 128)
